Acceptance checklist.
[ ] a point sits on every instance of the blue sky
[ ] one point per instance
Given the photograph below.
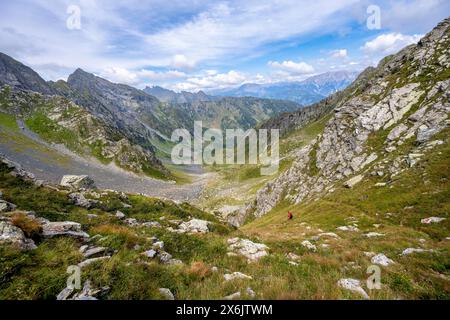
(201, 45)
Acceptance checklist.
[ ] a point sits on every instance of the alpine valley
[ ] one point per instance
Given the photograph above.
(86, 180)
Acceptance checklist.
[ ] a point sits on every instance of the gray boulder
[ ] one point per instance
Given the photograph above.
(166, 293)
(77, 182)
(67, 228)
(10, 234)
(195, 226)
(81, 201)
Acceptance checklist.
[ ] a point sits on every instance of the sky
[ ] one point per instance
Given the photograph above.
(206, 45)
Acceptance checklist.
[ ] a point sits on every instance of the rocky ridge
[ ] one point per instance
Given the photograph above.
(401, 104)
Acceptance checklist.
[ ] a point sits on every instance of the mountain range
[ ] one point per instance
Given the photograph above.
(135, 118)
(306, 92)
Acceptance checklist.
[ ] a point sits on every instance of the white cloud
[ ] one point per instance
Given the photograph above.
(120, 75)
(292, 67)
(215, 81)
(389, 43)
(182, 62)
(340, 53)
(138, 78)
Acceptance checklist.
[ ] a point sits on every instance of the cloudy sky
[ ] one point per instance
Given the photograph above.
(194, 44)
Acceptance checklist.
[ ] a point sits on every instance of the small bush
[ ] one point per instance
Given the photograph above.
(199, 269)
(119, 235)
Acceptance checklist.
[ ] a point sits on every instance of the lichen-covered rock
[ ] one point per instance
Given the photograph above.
(382, 260)
(195, 226)
(249, 249)
(166, 293)
(236, 275)
(409, 251)
(10, 234)
(81, 201)
(67, 228)
(353, 285)
(308, 245)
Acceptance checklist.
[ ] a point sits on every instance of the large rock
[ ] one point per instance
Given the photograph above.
(10, 234)
(67, 228)
(381, 260)
(353, 181)
(251, 250)
(195, 226)
(432, 220)
(308, 245)
(235, 276)
(409, 251)
(166, 293)
(80, 200)
(353, 285)
(77, 182)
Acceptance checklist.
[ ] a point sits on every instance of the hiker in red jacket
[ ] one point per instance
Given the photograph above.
(290, 216)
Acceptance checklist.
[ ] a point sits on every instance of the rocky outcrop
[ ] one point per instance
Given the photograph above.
(77, 182)
(353, 285)
(195, 226)
(10, 234)
(404, 101)
(67, 228)
(80, 200)
(236, 275)
(249, 249)
(381, 260)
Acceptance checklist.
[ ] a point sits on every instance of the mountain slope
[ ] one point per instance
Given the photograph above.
(26, 94)
(381, 128)
(15, 74)
(59, 121)
(305, 92)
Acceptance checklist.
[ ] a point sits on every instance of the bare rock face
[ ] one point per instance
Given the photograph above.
(406, 96)
(10, 234)
(77, 182)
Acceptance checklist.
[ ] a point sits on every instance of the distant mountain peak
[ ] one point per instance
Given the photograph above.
(171, 96)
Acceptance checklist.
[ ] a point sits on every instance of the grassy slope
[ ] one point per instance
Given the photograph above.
(41, 274)
(398, 208)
